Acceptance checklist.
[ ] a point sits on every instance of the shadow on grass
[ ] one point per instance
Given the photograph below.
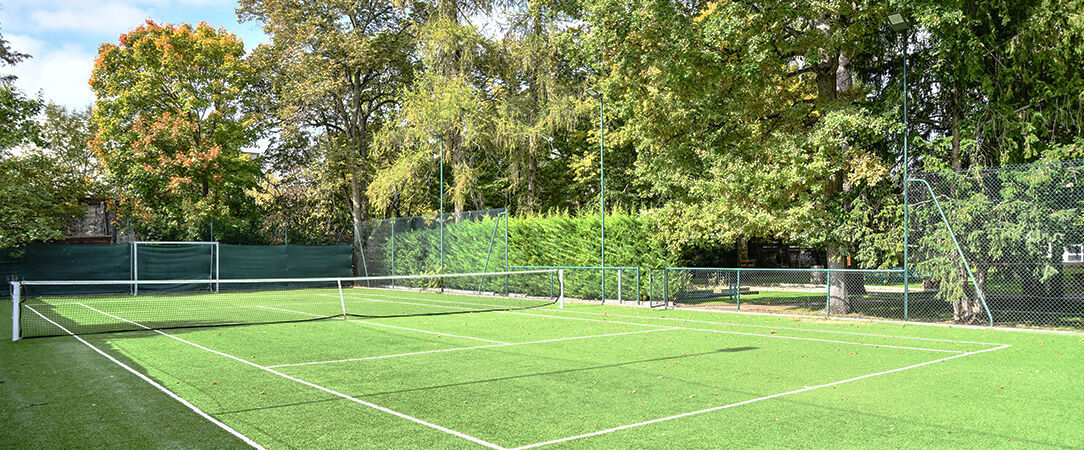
(489, 380)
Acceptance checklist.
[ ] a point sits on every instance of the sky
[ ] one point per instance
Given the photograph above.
(62, 37)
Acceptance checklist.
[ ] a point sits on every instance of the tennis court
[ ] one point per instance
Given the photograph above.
(534, 373)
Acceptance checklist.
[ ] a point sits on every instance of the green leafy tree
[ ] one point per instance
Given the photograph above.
(171, 119)
(40, 193)
(749, 118)
(332, 74)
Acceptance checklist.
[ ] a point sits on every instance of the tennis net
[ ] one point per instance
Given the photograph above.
(53, 308)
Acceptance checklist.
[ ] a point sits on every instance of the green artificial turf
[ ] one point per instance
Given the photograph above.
(489, 376)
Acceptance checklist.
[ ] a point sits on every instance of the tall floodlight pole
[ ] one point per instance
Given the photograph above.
(440, 139)
(900, 26)
(601, 185)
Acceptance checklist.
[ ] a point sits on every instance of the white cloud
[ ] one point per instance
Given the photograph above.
(88, 17)
(61, 74)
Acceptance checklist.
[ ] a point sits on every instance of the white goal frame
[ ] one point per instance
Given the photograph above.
(213, 269)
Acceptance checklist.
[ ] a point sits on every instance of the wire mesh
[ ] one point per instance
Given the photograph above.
(836, 292)
(85, 307)
(412, 245)
(1021, 233)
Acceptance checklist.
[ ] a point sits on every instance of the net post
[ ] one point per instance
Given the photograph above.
(737, 288)
(561, 288)
(620, 301)
(218, 268)
(135, 268)
(342, 300)
(16, 294)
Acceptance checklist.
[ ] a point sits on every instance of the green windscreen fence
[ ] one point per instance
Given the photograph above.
(284, 261)
(190, 261)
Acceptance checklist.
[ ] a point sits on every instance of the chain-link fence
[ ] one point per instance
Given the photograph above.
(623, 284)
(835, 292)
(1020, 232)
(473, 241)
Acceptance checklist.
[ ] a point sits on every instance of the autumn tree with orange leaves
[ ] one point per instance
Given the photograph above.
(172, 117)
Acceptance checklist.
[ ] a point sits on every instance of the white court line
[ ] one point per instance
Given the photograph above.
(679, 319)
(776, 336)
(184, 402)
(312, 385)
(855, 333)
(746, 402)
(470, 348)
(389, 326)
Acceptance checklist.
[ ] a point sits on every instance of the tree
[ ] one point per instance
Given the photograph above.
(65, 136)
(749, 118)
(40, 199)
(171, 118)
(333, 73)
(40, 195)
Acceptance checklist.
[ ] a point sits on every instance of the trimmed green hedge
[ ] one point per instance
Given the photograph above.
(556, 239)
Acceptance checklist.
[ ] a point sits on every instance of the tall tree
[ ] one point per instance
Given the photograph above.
(748, 117)
(40, 192)
(333, 72)
(171, 119)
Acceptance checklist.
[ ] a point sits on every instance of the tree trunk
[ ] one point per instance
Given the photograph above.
(968, 310)
(839, 302)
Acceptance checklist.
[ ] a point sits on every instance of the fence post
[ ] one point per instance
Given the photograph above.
(828, 299)
(16, 294)
(637, 285)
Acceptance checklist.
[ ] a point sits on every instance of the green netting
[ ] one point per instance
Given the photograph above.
(283, 261)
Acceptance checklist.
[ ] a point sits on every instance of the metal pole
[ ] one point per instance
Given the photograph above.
(959, 250)
(561, 287)
(506, 250)
(342, 300)
(392, 251)
(906, 202)
(15, 307)
(619, 300)
(441, 138)
(602, 189)
(135, 268)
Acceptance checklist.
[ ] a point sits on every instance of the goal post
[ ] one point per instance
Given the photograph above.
(213, 272)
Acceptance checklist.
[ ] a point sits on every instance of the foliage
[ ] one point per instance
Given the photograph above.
(17, 124)
(171, 119)
(40, 198)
